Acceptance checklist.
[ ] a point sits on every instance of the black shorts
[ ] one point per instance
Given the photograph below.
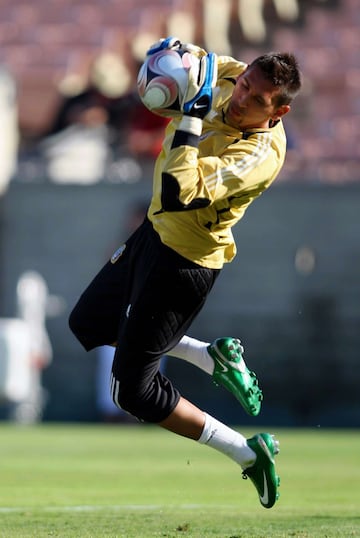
(144, 299)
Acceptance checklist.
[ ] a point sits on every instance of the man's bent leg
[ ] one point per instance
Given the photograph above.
(255, 455)
(223, 359)
(186, 420)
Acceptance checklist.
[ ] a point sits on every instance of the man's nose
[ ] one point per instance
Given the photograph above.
(242, 100)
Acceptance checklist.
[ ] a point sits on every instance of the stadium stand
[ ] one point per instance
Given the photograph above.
(43, 41)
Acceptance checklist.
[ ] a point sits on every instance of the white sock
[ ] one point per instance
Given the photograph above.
(194, 351)
(227, 441)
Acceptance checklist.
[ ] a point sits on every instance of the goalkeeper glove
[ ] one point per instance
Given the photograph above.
(169, 43)
(174, 43)
(202, 78)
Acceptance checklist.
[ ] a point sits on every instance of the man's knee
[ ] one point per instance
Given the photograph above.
(149, 404)
(129, 399)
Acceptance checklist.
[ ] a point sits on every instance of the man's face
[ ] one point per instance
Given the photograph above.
(252, 104)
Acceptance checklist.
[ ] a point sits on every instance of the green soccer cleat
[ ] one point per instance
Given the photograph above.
(231, 372)
(262, 472)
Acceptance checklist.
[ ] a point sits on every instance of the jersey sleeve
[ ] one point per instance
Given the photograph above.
(190, 181)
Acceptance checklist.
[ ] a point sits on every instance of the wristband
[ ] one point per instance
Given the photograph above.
(191, 124)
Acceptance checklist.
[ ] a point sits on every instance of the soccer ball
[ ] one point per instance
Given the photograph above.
(163, 79)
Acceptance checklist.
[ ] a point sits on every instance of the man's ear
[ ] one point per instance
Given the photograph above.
(280, 112)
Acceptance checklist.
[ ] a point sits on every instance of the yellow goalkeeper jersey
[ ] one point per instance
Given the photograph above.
(210, 186)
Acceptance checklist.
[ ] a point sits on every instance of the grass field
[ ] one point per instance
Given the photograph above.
(140, 481)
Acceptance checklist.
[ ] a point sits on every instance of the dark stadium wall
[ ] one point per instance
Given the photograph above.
(291, 295)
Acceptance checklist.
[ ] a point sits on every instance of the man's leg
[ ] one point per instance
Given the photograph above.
(194, 351)
(223, 359)
(255, 455)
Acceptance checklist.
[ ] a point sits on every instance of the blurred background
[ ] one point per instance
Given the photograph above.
(77, 151)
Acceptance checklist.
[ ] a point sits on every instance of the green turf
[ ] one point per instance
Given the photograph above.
(139, 481)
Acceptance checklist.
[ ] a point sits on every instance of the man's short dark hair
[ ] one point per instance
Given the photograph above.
(282, 70)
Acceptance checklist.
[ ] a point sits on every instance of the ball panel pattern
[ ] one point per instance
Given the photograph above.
(163, 80)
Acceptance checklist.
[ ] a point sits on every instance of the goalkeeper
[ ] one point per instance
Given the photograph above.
(226, 148)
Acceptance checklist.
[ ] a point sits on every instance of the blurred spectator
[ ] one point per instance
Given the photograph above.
(9, 135)
(183, 21)
(32, 297)
(252, 21)
(25, 350)
(218, 17)
(102, 99)
(90, 123)
(15, 378)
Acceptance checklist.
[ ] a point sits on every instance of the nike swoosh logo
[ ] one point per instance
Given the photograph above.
(264, 498)
(199, 105)
(222, 365)
(239, 366)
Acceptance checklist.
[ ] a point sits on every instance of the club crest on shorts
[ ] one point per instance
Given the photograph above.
(114, 258)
